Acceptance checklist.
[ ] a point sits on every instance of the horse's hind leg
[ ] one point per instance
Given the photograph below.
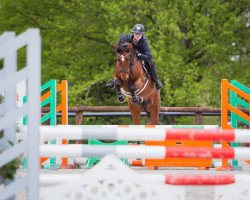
(153, 119)
(149, 118)
(154, 108)
(135, 110)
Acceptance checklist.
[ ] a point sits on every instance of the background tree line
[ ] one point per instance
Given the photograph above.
(195, 44)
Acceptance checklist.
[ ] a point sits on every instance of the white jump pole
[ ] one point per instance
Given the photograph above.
(141, 151)
(142, 134)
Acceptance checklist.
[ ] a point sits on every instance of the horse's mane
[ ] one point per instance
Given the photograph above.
(123, 42)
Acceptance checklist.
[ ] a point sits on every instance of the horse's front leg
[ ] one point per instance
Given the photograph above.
(117, 84)
(135, 98)
(120, 96)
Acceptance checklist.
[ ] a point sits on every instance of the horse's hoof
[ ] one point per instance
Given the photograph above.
(121, 99)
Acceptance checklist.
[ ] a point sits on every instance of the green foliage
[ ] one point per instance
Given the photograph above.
(8, 171)
(1, 99)
(192, 44)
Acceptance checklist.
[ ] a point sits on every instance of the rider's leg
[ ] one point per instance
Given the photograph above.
(152, 71)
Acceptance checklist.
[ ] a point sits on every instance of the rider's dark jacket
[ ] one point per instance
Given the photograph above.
(142, 46)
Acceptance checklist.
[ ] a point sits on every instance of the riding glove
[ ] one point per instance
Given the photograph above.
(138, 54)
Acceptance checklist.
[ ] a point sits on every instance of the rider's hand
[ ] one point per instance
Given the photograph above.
(137, 53)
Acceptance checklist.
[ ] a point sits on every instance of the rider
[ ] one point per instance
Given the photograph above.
(142, 51)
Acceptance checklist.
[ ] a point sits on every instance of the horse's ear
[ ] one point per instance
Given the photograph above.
(115, 46)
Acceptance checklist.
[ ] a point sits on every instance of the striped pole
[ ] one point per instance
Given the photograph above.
(198, 179)
(142, 134)
(141, 151)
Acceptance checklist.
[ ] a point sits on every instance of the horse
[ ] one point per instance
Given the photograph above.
(132, 80)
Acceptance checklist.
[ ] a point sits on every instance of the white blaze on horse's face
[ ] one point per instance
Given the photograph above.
(122, 58)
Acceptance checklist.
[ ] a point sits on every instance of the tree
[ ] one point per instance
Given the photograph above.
(193, 43)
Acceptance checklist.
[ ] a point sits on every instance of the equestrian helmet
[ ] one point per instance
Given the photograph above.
(138, 28)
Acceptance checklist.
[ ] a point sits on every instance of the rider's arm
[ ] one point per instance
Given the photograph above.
(146, 51)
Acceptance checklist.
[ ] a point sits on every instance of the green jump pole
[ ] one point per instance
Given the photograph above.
(51, 116)
(235, 101)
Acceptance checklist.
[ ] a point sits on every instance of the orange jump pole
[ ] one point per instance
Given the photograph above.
(224, 118)
(63, 108)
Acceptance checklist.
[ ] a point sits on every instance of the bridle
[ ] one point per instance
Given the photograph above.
(122, 56)
(127, 68)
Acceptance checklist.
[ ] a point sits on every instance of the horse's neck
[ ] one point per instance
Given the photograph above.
(137, 71)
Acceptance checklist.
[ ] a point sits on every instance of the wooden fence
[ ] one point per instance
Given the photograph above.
(198, 112)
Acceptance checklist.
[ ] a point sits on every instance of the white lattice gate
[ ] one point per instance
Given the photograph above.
(10, 76)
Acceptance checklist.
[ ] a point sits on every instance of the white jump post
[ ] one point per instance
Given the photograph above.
(9, 78)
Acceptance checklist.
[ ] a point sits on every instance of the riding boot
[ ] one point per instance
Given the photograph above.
(153, 73)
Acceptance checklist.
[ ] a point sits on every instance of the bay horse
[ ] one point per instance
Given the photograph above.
(132, 80)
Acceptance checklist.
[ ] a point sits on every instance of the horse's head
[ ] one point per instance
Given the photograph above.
(124, 57)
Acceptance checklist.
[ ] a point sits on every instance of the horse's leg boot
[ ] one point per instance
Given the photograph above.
(113, 84)
(136, 99)
(120, 97)
(110, 84)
